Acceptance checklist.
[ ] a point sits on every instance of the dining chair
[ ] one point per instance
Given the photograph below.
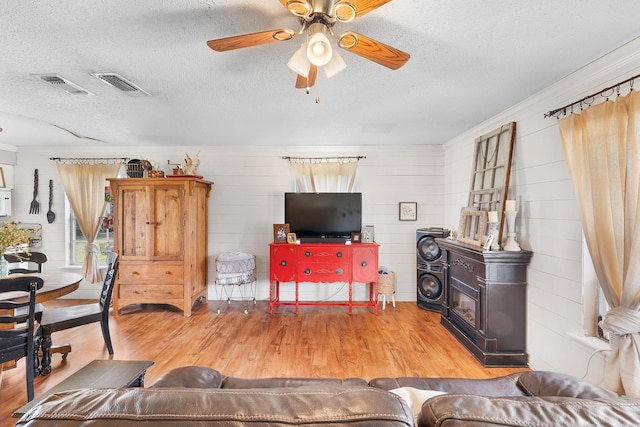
(25, 263)
(58, 319)
(20, 340)
(33, 261)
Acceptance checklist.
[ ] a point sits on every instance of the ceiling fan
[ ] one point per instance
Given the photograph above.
(317, 18)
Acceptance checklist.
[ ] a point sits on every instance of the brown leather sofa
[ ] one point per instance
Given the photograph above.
(200, 396)
(527, 399)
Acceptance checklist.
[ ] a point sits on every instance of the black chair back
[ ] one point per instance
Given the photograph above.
(109, 281)
(34, 262)
(19, 341)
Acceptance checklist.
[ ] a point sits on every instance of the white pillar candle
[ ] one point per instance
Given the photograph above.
(493, 216)
(510, 205)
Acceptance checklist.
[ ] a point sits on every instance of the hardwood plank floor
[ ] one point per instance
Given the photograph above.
(319, 342)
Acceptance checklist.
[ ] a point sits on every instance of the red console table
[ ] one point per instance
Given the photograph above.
(323, 262)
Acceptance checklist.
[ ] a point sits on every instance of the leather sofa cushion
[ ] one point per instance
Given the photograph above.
(477, 411)
(190, 377)
(541, 383)
(247, 383)
(499, 386)
(159, 407)
(204, 377)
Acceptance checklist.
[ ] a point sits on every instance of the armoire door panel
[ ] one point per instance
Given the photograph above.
(168, 222)
(135, 223)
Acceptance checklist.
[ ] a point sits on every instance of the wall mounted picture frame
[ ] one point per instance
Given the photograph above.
(408, 211)
(291, 238)
(280, 232)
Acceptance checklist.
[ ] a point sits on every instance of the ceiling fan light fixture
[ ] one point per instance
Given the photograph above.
(299, 62)
(319, 49)
(334, 66)
(345, 12)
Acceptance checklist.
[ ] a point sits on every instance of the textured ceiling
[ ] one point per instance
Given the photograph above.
(470, 59)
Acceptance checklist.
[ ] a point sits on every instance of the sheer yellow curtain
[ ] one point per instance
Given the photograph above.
(324, 175)
(84, 186)
(603, 154)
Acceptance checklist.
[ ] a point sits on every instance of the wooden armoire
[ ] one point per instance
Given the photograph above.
(160, 227)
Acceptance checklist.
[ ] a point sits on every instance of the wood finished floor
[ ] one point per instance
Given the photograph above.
(319, 342)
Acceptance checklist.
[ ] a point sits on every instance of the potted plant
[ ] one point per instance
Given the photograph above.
(14, 238)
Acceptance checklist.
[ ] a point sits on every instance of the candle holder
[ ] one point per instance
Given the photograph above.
(493, 234)
(511, 244)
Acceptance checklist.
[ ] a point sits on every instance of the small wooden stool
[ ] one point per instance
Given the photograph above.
(387, 287)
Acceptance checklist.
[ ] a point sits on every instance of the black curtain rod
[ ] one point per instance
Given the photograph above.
(602, 93)
(88, 158)
(322, 158)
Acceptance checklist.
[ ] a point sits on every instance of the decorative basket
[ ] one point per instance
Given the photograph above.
(387, 283)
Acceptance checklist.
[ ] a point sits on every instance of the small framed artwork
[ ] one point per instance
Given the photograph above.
(408, 211)
(291, 238)
(280, 232)
(3, 184)
(367, 234)
(356, 237)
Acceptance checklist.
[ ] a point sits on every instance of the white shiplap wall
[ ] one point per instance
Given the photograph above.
(248, 198)
(548, 219)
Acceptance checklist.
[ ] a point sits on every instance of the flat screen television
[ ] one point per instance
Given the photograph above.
(323, 216)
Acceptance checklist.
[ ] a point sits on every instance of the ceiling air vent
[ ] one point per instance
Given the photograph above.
(64, 84)
(121, 83)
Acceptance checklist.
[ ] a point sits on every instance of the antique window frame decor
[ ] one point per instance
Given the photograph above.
(408, 211)
(473, 224)
(491, 171)
(280, 232)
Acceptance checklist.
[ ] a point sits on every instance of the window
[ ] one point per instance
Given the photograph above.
(594, 305)
(79, 242)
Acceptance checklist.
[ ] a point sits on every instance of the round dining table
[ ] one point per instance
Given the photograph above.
(55, 286)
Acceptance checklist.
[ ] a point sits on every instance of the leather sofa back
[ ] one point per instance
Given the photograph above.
(461, 410)
(331, 405)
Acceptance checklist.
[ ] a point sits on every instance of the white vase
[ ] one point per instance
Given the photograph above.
(4, 267)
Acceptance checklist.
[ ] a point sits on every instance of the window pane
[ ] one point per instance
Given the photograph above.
(104, 240)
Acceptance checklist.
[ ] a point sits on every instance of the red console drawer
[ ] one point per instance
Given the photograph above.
(283, 263)
(318, 272)
(365, 264)
(323, 253)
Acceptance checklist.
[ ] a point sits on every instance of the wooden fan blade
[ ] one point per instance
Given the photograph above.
(306, 82)
(361, 6)
(248, 40)
(373, 50)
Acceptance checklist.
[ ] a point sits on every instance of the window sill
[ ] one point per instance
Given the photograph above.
(590, 343)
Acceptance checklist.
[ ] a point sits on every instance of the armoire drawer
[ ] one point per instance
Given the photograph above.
(160, 273)
(155, 291)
